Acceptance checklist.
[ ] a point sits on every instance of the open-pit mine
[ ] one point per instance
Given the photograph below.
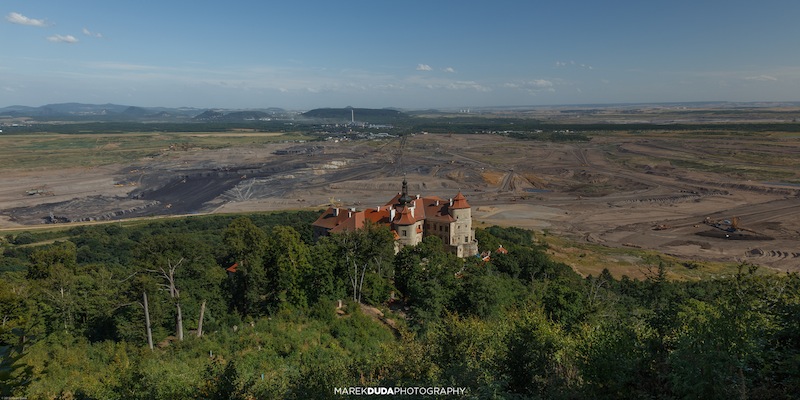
(696, 196)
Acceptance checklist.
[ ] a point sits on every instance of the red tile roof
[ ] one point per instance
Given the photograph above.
(436, 209)
(346, 220)
(355, 220)
(380, 215)
(329, 219)
(459, 202)
(404, 217)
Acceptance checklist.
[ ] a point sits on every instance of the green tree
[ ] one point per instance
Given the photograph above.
(469, 353)
(15, 374)
(326, 279)
(369, 250)
(13, 310)
(539, 361)
(185, 271)
(54, 268)
(245, 246)
(288, 268)
(222, 382)
(426, 275)
(615, 359)
(484, 292)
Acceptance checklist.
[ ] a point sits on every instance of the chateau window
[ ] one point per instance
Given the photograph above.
(466, 239)
(405, 233)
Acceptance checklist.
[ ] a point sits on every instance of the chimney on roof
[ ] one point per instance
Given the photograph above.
(392, 212)
(451, 202)
(349, 214)
(417, 197)
(336, 212)
(437, 203)
(378, 209)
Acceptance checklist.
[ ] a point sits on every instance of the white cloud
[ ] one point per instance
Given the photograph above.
(92, 34)
(562, 64)
(449, 70)
(461, 85)
(534, 86)
(540, 83)
(424, 67)
(62, 39)
(762, 78)
(122, 66)
(17, 18)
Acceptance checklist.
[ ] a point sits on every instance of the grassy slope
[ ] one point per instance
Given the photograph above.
(45, 151)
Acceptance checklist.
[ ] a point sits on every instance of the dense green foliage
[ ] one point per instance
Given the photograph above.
(517, 326)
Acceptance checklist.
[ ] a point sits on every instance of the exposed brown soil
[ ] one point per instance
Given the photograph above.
(613, 190)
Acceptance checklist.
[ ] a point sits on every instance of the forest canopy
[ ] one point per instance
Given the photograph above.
(252, 307)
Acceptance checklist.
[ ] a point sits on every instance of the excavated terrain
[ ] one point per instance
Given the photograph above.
(642, 191)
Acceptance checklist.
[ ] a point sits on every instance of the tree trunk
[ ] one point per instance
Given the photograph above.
(361, 284)
(354, 281)
(200, 323)
(147, 322)
(179, 325)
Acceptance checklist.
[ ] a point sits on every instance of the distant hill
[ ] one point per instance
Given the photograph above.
(95, 112)
(135, 111)
(240, 116)
(209, 115)
(374, 115)
(122, 113)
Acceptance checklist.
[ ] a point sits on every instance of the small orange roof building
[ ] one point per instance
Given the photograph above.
(410, 219)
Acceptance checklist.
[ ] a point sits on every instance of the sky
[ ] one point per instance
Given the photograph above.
(407, 54)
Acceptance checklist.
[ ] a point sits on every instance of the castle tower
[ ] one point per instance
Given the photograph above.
(462, 235)
(409, 230)
(404, 197)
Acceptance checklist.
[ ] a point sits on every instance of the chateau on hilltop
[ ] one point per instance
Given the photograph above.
(410, 219)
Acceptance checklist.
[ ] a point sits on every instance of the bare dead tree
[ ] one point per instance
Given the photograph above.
(357, 275)
(146, 308)
(147, 321)
(200, 323)
(169, 277)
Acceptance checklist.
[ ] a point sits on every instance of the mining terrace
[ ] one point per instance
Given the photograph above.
(695, 197)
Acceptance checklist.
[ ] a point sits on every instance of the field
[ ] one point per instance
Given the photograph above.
(626, 199)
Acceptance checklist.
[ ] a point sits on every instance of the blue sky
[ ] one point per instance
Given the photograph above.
(409, 54)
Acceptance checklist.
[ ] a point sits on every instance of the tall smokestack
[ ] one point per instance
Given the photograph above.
(352, 116)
